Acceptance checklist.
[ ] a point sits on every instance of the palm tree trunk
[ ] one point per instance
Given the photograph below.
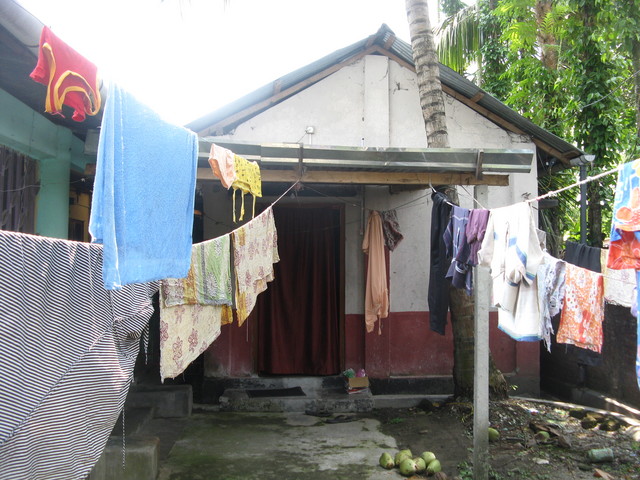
(433, 112)
(428, 71)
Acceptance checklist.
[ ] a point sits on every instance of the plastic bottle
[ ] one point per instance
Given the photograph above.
(599, 455)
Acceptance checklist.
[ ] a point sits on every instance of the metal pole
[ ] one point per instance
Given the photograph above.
(583, 205)
(481, 295)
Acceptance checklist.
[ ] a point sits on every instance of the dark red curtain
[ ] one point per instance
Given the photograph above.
(298, 319)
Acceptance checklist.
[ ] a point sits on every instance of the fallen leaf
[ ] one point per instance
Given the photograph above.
(602, 474)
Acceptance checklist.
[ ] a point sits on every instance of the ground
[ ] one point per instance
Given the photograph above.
(316, 446)
(447, 431)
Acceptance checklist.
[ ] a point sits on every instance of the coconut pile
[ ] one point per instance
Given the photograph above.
(426, 463)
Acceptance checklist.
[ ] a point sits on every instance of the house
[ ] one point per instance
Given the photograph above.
(42, 157)
(350, 128)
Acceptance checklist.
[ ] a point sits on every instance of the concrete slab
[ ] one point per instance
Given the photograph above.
(167, 400)
(140, 462)
(251, 446)
(326, 400)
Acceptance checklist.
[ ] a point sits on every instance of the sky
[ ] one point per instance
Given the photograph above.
(186, 58)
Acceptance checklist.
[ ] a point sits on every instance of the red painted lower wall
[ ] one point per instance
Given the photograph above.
(405, 347)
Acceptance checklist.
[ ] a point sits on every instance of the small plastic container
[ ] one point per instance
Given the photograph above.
(600, 455)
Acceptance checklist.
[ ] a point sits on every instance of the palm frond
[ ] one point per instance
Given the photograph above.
(460, 38)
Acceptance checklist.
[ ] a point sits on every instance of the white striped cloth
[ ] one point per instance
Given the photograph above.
(68, 350)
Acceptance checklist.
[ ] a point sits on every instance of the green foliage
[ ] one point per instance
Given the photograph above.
(567, 66)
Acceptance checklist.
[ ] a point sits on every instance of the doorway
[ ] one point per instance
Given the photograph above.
(299, 317)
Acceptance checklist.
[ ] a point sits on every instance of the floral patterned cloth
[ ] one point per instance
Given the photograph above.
(255, 250)
(247, 180)
(583, 309)
(209, 279)
(185, 332)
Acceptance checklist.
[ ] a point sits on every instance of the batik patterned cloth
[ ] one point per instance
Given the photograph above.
(209, 279)
(637, 330)
(583, 309)
(185, 332)
(255, 250)
(551, 284)
(391, 229)
(624, 248)
(248, 180)
(619, 285)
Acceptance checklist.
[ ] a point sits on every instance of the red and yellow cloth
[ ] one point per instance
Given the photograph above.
(70, 78)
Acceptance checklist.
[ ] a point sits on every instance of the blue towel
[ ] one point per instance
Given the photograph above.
(143, 195)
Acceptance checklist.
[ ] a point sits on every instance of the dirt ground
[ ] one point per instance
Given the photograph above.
(446, 429)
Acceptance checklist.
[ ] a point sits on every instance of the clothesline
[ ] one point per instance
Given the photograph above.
(577, 184)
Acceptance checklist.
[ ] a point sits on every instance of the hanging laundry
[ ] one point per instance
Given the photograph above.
(476, 228)
(186, 331)
(455, 241)
(438, 295)
(391, 229)
(247, 181)
(583, 256)
(511, 248)
(255, 250)
(209, 279)
(221, 161)
(144, 191)
(619, 285)
(68, 352)
(376, 300)
(551, 283)
(193, 309)
(583, 309)
(624, 248)
(70, 78)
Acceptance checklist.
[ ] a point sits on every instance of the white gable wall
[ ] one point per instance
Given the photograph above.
(374, 102)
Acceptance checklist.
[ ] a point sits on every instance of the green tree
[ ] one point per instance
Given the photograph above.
(566, 65)
(433, 111)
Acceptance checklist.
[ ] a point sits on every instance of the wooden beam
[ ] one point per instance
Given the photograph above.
(372, 178)
(217, 128)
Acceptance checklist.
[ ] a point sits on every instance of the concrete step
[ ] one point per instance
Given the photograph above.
(135, 418)
(140, 462)
(168, 401)
(334, 400)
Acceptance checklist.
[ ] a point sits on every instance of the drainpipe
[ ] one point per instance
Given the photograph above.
(582, 161)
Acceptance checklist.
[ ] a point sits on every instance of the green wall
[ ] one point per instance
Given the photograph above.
(56, 150)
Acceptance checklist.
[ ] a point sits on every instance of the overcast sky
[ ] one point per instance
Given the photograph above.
(186, 58)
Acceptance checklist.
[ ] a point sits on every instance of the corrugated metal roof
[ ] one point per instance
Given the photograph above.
(384, 39)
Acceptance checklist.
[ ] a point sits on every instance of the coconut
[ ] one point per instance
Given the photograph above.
(542, 436)
(407, 467)
(386, 461)
(401, 455)
(434, 467)
(494, 435)
(421, 465)
(428, 457)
